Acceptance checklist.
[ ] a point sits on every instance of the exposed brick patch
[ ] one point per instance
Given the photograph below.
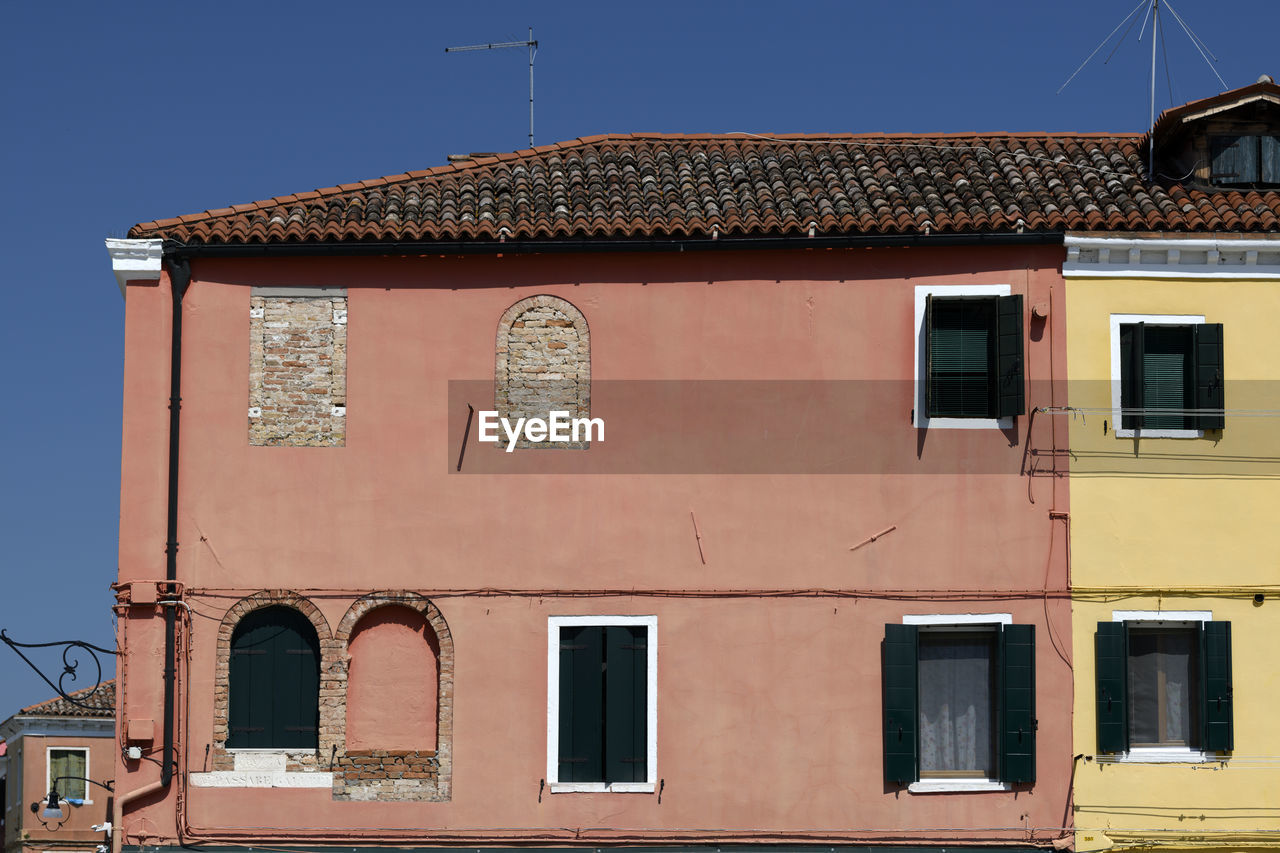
(392, 774)
(543, 362)
(297, 371)
(296, 760)
(381, 774)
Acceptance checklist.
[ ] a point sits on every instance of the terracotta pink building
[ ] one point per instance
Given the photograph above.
(65, 747)
(799, 578)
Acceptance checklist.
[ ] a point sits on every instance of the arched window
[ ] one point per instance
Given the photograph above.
(274, 682)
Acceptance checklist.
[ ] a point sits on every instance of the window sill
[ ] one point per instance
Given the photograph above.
(1163, 755)
(956, 786)
(1159, 433)
(602, 787)
(963, 423)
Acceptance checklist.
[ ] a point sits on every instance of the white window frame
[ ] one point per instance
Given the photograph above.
(921, 420)
(48, 771)
(554, 624)
(1165, 619)
(944, 622)
(1117, 377)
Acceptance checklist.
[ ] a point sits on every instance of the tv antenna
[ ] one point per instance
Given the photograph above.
(1152, 13)
(531, 44)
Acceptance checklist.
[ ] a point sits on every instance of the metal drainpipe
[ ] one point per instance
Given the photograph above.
(179, 279)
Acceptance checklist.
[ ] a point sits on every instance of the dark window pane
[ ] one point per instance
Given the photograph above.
(956, 681)
(1168, 380)
(962, 351)
(1162, 679)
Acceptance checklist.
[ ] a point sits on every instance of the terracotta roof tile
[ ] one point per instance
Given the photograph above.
(102, 703)
(674, 186)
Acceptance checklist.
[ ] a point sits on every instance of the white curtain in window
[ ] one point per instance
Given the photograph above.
(955, 703)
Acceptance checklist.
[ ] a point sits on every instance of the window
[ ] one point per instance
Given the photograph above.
(959, 703)
(1244, 161)
(970, 357)
(602, 709)
(1164, 685)
(1167, 375)
(274, 682)
(67, 770)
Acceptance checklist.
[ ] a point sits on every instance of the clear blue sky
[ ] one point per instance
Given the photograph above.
(116, 113)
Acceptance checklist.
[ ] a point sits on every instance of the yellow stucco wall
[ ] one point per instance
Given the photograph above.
(1198, 519)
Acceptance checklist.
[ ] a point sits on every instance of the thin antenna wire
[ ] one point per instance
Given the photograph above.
(1101, 44)
(531, 44)
(1168, 74)
(1200, 45)
(1151, 121)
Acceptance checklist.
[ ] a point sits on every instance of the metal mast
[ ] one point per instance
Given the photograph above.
(531, 44)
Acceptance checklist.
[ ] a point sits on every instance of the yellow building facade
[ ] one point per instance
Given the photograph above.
(1174, 365)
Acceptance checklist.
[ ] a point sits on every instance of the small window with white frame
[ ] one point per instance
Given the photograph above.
(1166, 375)
(969, 357)
(67, 770)
(602, 703)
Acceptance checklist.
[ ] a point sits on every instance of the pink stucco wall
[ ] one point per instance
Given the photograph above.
(769, 718)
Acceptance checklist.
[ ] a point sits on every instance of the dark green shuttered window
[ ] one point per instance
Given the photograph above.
(1163, 686)
(1011, 715)
(603, 726)
(1178, 368)
(274, 682)
(973, 356)
(1244, 161)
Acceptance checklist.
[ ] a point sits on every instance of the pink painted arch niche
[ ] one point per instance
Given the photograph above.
(393, 681)
(395, 729)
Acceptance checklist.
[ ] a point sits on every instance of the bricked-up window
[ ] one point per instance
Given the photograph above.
(543, 362)
(274, 682)
(392, 682)
(297, 366)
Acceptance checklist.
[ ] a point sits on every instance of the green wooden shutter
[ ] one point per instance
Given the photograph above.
(1111, 664)
(1017, 713)
(274, 682)
(1216, 693)
(1010, 394)
(296, 683)
(928, 356)
(1210, 386)
(1234, 160)
(1132, 337)
(900, 666)
(1270, 156)
(625, 703)
(581, 703)
(249, 713)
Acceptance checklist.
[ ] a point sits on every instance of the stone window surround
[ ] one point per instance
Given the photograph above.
(335, 662)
